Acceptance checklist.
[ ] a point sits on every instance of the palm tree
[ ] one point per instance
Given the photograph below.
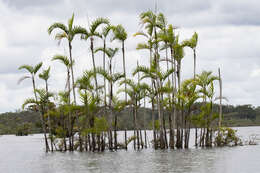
(155, 73)
(220, 98)
(65, 61)
(136, 92)
(104, 35)
(91, 34)
(151, 23)
(33, 71)
(45, 75)
(188, 95)
(121, 35)
(40, 103)
(112, 79)
(205, 82)
(169, 39)
(192, 43)
(90, 108)
(68, 32)
(178, 55)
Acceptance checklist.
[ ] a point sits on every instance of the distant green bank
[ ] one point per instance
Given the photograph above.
(21, 122)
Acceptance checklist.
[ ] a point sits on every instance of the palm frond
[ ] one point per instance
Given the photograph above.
(63, 59)
(141, 46)
(28, 101)
(70, 22)
(37, 68)
(140, 33)
(96, 23)
(57, 26)
(45, 74)
(119, 33)
(27, 67)
(22, 78)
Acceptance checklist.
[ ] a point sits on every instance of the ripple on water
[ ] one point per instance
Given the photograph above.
(26, 155)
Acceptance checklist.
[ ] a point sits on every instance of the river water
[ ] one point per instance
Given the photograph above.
(26, 155)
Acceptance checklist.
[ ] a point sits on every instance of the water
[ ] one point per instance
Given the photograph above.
(26, 155)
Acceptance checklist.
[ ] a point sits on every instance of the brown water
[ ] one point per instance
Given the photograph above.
(26, 155)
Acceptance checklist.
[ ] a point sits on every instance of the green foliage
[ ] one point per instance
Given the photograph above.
(60, 132)
(227, 136)
(156, 124)
(23, 129)
(119, 33)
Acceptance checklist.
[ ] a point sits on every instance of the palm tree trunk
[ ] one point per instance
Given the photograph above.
(194, 65)
(123, 51)
(179, 118)
(73, 89)
(72, 72)
(154, 130)
(115, 132)
(110, 106)
(49, 120)
(93, 61)
(220, 99)
(173, 112)
(42, 117)
(134, 118)
(69, 101)
(104, 68)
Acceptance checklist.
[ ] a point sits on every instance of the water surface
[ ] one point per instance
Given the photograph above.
(26, 155)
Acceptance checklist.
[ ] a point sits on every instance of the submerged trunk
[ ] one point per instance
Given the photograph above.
(42, 117)
(115, 133)
(49, 120)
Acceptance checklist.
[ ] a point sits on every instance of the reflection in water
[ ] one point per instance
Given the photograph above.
(26, 155)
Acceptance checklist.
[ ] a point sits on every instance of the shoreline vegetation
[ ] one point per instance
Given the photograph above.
(233, 116)
(85, 116)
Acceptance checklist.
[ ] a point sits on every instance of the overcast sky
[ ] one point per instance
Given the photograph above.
(229, 38)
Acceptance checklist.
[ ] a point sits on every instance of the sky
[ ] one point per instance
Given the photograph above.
(229, 39)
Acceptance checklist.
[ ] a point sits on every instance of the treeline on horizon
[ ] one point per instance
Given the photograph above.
(23, 120)
(85, 116)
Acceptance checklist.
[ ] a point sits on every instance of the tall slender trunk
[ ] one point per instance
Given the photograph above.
(123, 52)
(42, 116)
(73, 88)
(154, 130)
(93, 61)
(194, 65)
(115, 132)
(110, 105)
(220, 99)
(179, 118)
(69, 102)
(49, 120)
(72, 73)
(145, 140)
(158, 98)
(172, 130)
(134, 119)
(104, 68)
(194, 76)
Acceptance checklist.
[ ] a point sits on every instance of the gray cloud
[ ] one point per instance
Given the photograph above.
(228, 38)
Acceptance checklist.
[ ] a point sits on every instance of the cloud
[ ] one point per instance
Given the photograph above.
(228, 32)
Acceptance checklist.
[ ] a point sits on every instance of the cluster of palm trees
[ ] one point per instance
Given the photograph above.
(92, 124)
